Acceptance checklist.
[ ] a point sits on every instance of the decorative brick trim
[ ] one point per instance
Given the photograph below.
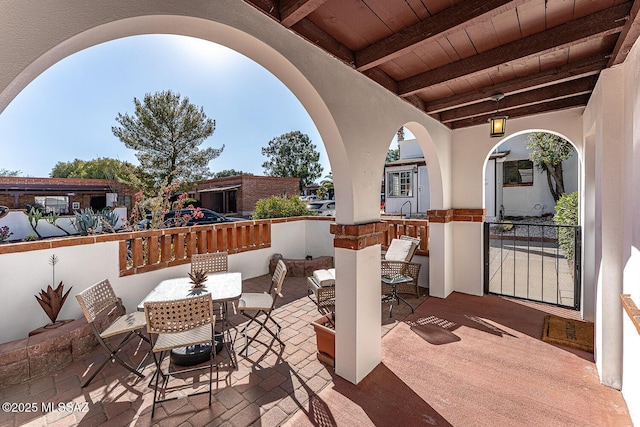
(444, 215)
(358, 236)
(632, 310)
(469, 215)
(460, 215)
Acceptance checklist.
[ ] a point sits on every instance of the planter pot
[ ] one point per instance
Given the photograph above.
(325, 339)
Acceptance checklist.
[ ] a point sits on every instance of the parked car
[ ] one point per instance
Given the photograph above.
(176, 218)
(323, 207)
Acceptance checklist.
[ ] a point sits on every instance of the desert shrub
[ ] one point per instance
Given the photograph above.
(567, 214)
(280, 207)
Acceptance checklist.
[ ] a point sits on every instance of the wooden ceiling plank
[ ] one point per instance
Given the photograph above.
(396, 14)
(292, 11)
(627, 37)
(561, 104)
(531, 17)
(589, 66)
(507, 27)
(523, 99)
(597, 24)
(419, 9)
(483, 36)
(557, 12)
(448, 21)
(461, 44)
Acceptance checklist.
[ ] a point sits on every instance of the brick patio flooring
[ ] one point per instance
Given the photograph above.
(268, 387)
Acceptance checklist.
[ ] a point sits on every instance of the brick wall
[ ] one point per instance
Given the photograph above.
(252, 189)
(28, 188)
(255, 188)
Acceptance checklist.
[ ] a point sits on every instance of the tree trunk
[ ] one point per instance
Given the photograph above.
(555, 175)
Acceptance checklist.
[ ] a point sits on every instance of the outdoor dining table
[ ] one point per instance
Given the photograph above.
(223, 287)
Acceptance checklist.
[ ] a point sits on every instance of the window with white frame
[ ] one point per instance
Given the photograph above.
(53, 204)
(399, 184)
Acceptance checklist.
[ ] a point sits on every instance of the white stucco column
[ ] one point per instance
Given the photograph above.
(358, 315)
(590, 257)
(609, 197)
(440, 253)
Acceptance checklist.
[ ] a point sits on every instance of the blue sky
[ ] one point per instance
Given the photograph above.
(67, 112)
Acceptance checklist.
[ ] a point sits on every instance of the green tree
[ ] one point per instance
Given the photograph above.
(167, 130)
(280, 207)
(292, 155)
(325, 185)
(230, 172)
(100, 168)
(392, 155)
(7, 172)
(117, 172)
(547, 151)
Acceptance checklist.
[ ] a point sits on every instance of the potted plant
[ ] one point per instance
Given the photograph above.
(325, 329)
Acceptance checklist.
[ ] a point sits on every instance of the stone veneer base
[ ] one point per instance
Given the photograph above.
(41, 354)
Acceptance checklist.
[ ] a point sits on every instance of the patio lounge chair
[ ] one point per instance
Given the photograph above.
(96, 303)
(175, 324)
(397, 260)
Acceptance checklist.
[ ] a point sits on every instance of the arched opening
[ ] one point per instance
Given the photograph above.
(530, 250)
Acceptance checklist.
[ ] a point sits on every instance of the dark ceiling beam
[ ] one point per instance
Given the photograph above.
(292, 11)
(537, 96)
(546, 107)
(268, 7)
(627, 37)
(599, 24)
(319, 37)
(383, 79)
(574, 70)
(449, 21)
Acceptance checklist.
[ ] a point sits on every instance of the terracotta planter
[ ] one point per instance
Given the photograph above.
(325, 338)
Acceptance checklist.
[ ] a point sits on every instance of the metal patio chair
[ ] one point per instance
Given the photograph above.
(100, 299)
(263, 304)
(176, 324)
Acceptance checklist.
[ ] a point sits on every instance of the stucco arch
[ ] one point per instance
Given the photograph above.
(353, 115)
(434, 169)
(350, 112)
(502, 141)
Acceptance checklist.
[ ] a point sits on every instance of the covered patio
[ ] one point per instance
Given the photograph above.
(359, 96)
(460, 361)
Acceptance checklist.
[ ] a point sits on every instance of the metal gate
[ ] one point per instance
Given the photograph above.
(526, 260)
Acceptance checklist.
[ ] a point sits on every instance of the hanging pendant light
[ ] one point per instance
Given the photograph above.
(498, 122)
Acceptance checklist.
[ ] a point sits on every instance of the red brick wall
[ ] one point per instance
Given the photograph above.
(52, 187)
(253, 188)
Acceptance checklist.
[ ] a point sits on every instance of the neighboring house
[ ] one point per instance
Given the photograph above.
(239, 194)
(62, 195)
(407, 181)
(514, 187)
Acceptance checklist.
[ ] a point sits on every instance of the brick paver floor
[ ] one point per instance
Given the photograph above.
(267, 388)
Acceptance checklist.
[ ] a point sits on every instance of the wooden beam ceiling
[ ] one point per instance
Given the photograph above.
(579, 39)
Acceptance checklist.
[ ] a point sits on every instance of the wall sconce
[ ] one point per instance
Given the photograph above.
(415, 169)
(498, 122)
